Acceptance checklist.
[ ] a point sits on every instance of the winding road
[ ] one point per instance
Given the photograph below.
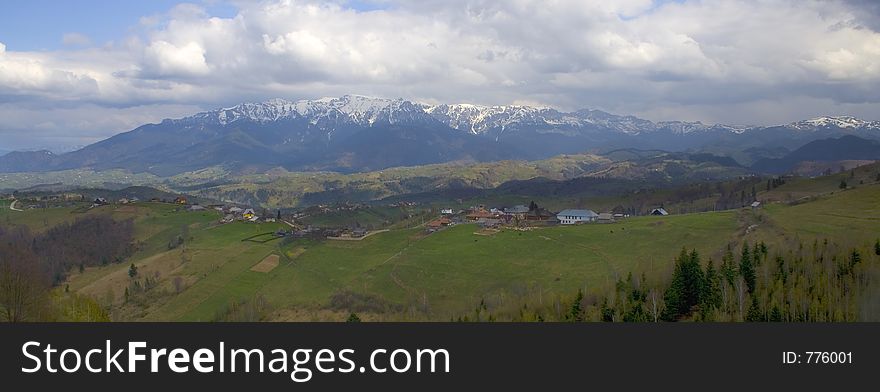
(12, 206)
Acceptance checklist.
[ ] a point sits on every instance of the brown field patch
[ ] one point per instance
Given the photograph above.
(296, 252)
(267, 264)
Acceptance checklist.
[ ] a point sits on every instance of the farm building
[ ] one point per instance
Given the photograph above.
(180, 200)
(437, 224)
(571, 216)
(756, 204)
(519, 211)
(606, 217)
(659, 211)
(447, 211)
(249, 214)
(480, 214)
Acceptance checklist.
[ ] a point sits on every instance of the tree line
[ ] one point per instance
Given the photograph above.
(819, 281)
(32, 263)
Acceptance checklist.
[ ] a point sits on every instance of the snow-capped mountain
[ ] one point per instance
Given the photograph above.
(350, 109)
(355, 132)
(841, 122)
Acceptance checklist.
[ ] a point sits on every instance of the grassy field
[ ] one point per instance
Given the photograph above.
(416, 276)
(404, 274)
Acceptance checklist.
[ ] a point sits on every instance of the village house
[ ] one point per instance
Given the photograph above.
(447, 211)
(518, 211)
(437, 224)
(100, 201)
(235, 210)
(606, 217)
(479, 214)
(540, 214)
(659, 211)
(248, 214)
(756, 204)
(572, 216)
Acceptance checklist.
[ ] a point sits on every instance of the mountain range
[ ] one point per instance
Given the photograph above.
(356, 133)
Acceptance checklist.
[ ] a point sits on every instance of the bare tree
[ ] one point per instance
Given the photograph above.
(177, 282)
(22, 286)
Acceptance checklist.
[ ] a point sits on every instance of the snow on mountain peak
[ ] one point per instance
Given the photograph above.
(479, 119)
(843, 122)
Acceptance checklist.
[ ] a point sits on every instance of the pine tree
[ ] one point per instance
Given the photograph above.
(576, 313)
(877, 248)
(842, 184)
(132, 271)
(605, 311)
(754, 313)
(747, 269)
(686, 288)
(711, 296)
(353, 318)
(775, 314)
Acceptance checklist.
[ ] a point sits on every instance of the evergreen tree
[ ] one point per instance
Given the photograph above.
(353, 318)
(132, 271)
(728, 269)
(754, 313)
(747, 269)
(686, 288)
(711, 297)
(775, 314)
(877, 248)
(842, 184)
(576, 313)
(605, 311)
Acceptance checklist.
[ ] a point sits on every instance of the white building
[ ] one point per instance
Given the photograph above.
(571, 217)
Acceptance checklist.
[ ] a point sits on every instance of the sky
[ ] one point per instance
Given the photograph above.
(72, 73)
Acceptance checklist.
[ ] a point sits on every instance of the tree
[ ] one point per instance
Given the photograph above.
(842, 184)
(754, 311)
(22, 285)
(877, 248)
(178, 284)
(711, 296)
(576, 313)
(686, 288)
(132, 271)
(747, 269)
(353, 318)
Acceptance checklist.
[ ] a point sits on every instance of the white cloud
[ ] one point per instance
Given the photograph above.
(167, 59)
(712, 60)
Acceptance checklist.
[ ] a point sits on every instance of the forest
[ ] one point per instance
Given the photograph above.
(32, 263)
(814, 282)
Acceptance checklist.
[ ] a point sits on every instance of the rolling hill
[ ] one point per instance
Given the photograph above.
(848, 147)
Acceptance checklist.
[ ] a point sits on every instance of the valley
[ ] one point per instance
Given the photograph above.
(410, 274)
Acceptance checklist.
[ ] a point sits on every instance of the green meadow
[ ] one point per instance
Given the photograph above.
(405, 274)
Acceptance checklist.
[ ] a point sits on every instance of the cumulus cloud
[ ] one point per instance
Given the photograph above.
(710, 60)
